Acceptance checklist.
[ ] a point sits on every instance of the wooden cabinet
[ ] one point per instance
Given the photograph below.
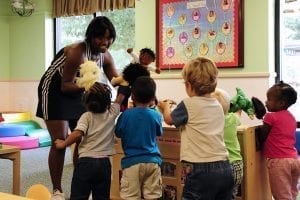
(255, 184)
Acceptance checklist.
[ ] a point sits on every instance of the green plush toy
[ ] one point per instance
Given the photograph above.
(241, 102)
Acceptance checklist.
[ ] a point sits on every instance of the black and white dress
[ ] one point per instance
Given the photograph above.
(53, 104)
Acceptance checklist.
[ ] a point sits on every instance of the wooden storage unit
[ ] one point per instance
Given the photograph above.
(115, 182)
(255, 184)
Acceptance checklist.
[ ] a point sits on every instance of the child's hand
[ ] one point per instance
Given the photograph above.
(129, 50)
(239, 113)
(170, 101)
(60, 144)
(157, 70)
(162, 105)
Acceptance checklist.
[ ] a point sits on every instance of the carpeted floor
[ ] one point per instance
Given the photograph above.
(34, 169)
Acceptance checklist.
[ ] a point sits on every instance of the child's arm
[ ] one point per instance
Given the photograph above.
(74, 137)
(153, 69)
(135, 58)
(165, 107)
(123, 95)
(261, 134)
(264, 131)
(157, 70)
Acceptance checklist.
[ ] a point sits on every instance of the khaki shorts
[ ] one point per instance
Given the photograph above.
(141, 179)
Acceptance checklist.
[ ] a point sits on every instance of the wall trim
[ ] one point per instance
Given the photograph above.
(177, 75)
(10, 80)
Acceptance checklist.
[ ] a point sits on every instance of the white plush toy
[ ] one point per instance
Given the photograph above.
(89, 74)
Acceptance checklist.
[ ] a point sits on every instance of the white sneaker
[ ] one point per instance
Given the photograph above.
(91, 196)
(57, 195)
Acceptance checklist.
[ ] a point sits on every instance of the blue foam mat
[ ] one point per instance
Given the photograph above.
(11, 130)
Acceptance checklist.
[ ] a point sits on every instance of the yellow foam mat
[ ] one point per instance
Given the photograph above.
(11, 116)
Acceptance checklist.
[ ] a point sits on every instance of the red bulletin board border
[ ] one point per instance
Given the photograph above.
(190, 28)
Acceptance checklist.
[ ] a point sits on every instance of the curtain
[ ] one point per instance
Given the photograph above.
(85, 7)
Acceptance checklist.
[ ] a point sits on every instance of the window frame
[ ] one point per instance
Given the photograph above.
(118, 52)
(279, 68)
(277, 45)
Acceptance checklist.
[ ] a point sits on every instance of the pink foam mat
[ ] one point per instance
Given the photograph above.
(23, 142)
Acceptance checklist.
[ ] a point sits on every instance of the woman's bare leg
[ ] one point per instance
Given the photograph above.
(58, 129)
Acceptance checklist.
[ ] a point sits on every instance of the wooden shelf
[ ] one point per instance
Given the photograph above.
(255, 184)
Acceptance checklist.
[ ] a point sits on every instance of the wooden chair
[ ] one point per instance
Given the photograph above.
(38, 192)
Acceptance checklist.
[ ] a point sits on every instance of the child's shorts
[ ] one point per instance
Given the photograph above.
(143, 179)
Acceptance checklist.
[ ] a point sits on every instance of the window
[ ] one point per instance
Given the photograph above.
(72, 29)
(287, 48)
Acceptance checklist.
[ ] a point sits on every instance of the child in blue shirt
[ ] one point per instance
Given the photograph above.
(138, 128)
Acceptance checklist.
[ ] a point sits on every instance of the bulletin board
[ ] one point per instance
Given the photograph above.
(187, 29)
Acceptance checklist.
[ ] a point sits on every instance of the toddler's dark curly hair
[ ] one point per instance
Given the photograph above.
(149, 52)
(98, 98)
(134, 70)
(286, 93)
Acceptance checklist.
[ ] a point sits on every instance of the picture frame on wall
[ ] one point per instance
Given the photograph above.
(187, 29)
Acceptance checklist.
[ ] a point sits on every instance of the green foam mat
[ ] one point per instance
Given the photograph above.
(42, 134)
(28, 125)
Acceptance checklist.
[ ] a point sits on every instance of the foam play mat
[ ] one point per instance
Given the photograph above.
(18, 129)
(27, 125)
(11, 130)
(42, 135)
(12, 116)
(23, 142)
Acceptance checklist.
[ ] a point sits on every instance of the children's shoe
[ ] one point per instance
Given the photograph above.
(57, 195)
(91, 196)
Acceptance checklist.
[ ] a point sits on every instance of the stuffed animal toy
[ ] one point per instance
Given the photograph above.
(241, 102)
(253, 107)
(259, 108)
(130, 73)
(89, 73)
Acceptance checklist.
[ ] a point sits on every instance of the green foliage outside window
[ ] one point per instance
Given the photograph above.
(72, 29)
(124, 21)
(293, 24)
